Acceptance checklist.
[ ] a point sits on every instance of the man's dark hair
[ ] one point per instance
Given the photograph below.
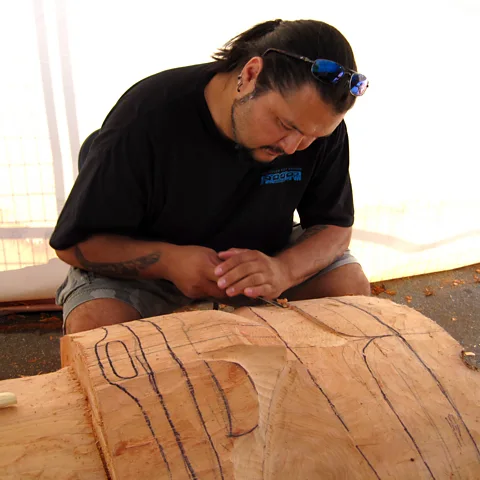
(310, 38)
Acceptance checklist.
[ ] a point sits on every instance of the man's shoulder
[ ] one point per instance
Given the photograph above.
(156, 95)
(172, 83)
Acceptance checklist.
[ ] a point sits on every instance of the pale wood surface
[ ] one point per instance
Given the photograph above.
(48, 434)
(352, 388)
(407, 401)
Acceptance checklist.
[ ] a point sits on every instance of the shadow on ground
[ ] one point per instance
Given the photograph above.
(29, 343)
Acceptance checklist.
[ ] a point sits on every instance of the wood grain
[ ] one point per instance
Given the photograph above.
(48, 434)
(269, 393)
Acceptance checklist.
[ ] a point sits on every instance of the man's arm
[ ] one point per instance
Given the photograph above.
(318, 247)
(117, 256)
(190, 268)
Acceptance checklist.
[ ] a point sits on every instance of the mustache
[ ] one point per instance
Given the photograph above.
(273, 149)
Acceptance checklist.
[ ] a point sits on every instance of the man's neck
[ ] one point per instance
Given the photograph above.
(219, 93)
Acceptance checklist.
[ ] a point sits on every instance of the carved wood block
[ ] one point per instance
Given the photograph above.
(336, 388)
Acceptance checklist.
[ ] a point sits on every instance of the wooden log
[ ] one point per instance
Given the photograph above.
(48, 433)
(354, 388)
(337, 388)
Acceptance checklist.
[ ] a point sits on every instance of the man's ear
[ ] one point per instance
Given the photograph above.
(249, 74)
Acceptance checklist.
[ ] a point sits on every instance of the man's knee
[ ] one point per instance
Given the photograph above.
(346, 280)
(361, 285)
(100, 312)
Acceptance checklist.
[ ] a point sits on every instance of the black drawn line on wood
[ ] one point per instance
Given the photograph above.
(219, 387)
(227, 405)
(369, 464)
(153, 382)
(332, 406)
(314, 380)
(113, 366)
(430, 371)
(392, 408)
(136, 400)
(191, 391)
(446, 451)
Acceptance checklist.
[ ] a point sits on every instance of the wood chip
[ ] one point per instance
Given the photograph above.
(378, 289)
(391, 292)
(408, 298)
(428, 291)
(48, 319)
(469, 354)
(454, 319)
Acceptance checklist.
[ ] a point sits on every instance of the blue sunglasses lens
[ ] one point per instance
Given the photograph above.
(358, 84)
(328, 71)
(332, 72)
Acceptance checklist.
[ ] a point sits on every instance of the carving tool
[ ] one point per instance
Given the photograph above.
(273, 302)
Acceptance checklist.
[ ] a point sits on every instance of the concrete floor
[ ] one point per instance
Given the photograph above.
(29, 343)
(451, 299)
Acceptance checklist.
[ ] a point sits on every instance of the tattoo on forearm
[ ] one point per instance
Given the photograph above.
(310, 232)
(129, 268)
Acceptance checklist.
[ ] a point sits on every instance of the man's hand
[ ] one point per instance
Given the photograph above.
(251, 273)
(192, 271)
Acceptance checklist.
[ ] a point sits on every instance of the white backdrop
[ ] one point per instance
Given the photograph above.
(414, 153)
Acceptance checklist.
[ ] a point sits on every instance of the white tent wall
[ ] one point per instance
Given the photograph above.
(414, 153)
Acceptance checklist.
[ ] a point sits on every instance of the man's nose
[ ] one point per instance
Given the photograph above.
(289, 144)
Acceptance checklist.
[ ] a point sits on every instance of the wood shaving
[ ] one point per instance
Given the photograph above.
(283, 302)
(428, 291)
(378, 289)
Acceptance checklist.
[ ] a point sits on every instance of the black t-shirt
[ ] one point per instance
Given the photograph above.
(161, 170)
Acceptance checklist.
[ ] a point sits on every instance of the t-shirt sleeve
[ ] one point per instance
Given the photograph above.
(328, 199)
(111, 193)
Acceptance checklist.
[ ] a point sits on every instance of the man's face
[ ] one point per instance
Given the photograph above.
(271, 124)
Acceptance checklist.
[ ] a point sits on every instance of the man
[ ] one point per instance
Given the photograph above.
(189, 189)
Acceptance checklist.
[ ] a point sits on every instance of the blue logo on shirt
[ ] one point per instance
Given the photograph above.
(282, 176)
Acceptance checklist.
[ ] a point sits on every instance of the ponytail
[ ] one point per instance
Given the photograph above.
(235, 50)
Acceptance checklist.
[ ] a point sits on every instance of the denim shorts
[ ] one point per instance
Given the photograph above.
(149, 297)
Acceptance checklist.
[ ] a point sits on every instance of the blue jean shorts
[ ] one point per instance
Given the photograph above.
(150, 298)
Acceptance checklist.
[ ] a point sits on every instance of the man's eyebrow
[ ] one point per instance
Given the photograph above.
(292, 125)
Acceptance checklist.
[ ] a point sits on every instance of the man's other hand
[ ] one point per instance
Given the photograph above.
(191, 269)
(251, 273)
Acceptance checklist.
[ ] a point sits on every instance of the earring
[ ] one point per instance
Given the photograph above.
(240, 82)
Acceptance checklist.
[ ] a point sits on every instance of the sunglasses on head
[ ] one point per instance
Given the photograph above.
(328, 71)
